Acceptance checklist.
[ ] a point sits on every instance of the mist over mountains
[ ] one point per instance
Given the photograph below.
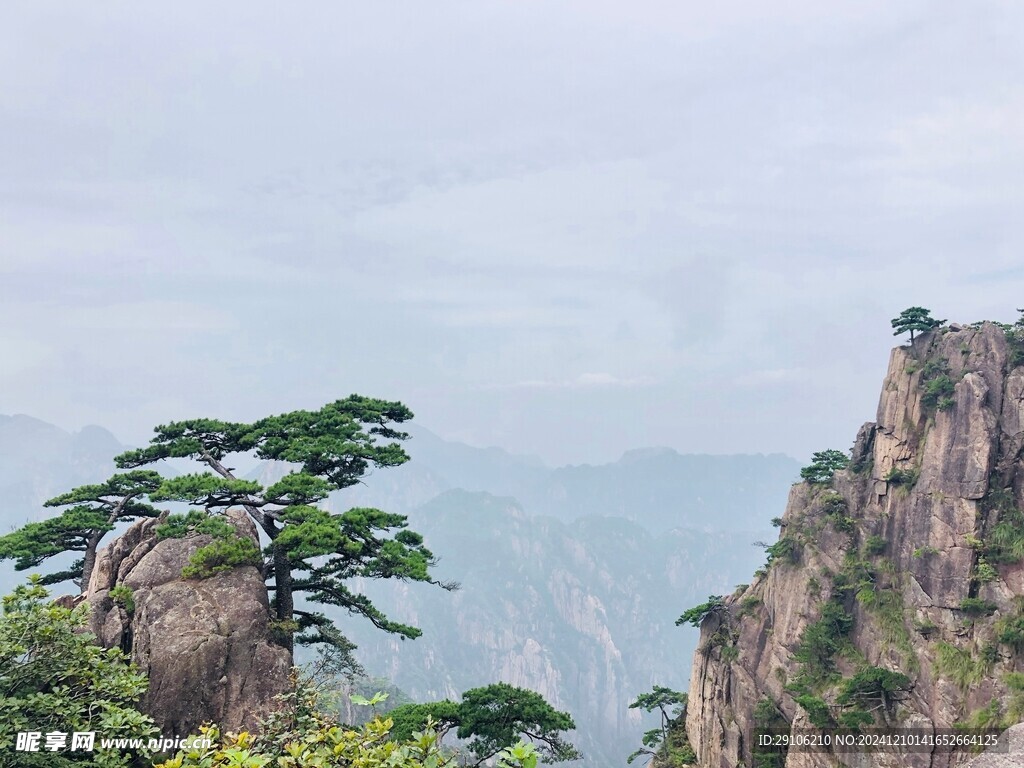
(571, 577)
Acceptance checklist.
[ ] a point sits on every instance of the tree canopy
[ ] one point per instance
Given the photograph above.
(91, 511)
(493, 718)
(915, 319)
(310, 550)
(824, 465)
(694, 616)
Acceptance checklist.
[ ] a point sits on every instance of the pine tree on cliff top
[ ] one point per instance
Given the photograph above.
(309, 550)
(915, 319)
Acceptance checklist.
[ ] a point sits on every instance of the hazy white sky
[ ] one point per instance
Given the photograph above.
(564, 228)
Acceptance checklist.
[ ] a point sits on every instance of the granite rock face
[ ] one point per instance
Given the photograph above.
(204, 644)
(911, 518)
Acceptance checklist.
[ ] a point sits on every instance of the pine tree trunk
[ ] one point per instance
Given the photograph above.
(284, 600)
(89, 559)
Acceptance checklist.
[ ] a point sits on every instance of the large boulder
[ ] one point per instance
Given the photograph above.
(206, 645)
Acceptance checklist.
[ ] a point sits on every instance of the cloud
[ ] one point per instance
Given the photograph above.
(585, 381)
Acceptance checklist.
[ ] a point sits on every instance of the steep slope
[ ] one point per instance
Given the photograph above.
(581, 612)
(910, 563)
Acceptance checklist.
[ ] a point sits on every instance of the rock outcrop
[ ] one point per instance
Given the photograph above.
(910, 562)
(204, 644)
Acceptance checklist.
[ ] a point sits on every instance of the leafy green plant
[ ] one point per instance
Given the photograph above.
(492, 718)
(834, 507)
(855, 718)
(989, 716)
(984, 573)
(123, 596)
(925, 551)
(1015, 682)
(53, 677)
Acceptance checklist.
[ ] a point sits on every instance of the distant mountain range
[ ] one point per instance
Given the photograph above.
(572, 576)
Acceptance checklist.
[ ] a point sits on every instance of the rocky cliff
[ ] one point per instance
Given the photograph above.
(580, 612)
(893, 595)
(204, 644)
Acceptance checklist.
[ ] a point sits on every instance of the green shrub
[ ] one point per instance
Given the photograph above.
(856, 718)
(1006, 539)
(985, 573)
(925, 551)
(940, 387)
(871, 685)
(958, 664)
(1015, 682)
(55, 678)
(221, 555)
(974, 606)
(875, 545)
(749, 605)
(904, 477)
(1010, 631)
(124, 597)
(817, 710)
(989, 716)
(786, 549)
(821, 641)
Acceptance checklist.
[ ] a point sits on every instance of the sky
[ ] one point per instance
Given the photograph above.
(566, 229)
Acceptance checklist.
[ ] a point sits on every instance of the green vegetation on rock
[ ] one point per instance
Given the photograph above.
(491, 719)
(915, 319)
(668, 741)
(824, 464)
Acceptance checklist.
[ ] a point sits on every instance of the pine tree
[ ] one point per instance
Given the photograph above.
(91, 512)
(311, 551)
(915, 319)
